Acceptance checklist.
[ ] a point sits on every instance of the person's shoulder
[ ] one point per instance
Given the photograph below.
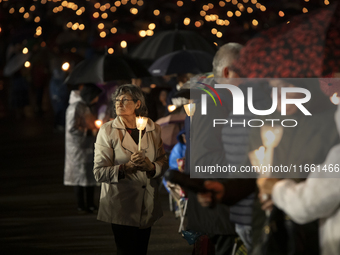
(107, 126)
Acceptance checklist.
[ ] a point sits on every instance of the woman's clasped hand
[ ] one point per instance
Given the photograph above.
(139, 162)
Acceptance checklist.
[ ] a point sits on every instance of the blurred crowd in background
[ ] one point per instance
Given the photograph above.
(53, 49)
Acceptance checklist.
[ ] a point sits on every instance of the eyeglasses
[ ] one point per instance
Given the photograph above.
(123, 101)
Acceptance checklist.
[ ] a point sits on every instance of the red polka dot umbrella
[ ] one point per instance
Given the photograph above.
(330, 86)
(308, 46)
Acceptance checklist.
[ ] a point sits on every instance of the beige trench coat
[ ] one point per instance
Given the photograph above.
(132, 201)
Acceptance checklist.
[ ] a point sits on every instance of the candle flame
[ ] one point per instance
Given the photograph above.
(141, 122)
(335, 99)
(65, 66)
(259, 153)
(270, 137)
(171, 108)
(98, 123)
(190, 109)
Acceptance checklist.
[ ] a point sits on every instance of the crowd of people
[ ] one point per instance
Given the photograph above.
(233, 216)
(295, 212)
(256, 215)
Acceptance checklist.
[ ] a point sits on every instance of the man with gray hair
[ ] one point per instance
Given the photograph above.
(223, 60)
(215, 221)
(234, 147)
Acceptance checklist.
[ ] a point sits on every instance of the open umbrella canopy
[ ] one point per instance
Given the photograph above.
(329, 86)
(104, 68)
(137, 67)
(166, 42)
(183, 61)
(15, 63)
(308, 46)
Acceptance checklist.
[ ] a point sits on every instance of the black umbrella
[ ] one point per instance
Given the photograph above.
(137, 67)
(183, 61)
(15, 63)
(104, 68)
(166, 42)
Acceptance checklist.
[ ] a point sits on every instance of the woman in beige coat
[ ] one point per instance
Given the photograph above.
(129, 193)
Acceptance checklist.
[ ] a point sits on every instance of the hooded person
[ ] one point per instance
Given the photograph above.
(317, 198)
(80, 136)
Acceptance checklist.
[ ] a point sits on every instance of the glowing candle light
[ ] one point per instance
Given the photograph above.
(123, 44)
(152, 26)
(65, 66)
(98, 123)
(156, 12)
(335, 99)
(141, 124)
(171, 108)
(259, 153)
(270, 136)
(190, 109)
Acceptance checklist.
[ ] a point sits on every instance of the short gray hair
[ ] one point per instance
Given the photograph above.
(224, 57)
(136, 93)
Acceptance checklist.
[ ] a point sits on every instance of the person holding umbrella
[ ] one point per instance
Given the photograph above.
(129, 176)
(80, 135)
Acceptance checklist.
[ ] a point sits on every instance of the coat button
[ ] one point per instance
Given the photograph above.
(143, 186)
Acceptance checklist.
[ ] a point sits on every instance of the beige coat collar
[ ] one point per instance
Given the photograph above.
(127, 142)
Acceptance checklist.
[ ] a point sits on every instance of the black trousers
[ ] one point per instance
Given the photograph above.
(84, 196)
(131, 240)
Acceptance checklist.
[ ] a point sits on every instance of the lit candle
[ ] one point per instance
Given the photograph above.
(190, 109)
(141, 124)
(335, 99)
(259, 153)
(171, 108)
(98, 123)
(271, 137)
(257, 156)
